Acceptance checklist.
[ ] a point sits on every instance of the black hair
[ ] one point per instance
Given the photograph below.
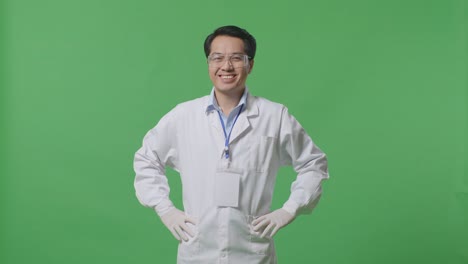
(250, 45)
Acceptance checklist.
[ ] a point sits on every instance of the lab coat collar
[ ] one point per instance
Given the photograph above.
(250, 107)
(213, 104)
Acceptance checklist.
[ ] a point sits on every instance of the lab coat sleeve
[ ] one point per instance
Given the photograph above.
(310, 163)
(157, 151)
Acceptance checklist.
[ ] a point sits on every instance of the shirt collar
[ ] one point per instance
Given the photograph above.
(213, 104)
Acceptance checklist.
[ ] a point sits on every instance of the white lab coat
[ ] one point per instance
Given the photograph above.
(191, 141)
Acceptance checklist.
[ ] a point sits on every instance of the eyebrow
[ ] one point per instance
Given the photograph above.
(234, 53)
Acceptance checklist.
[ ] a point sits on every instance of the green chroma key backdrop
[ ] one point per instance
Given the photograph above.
(381, 86)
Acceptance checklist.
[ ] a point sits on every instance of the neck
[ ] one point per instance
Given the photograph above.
(227, 102)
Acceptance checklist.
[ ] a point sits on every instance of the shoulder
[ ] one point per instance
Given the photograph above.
(274, 112)
(197, 102)
(183, 110)
(191, 106)
(266, 106)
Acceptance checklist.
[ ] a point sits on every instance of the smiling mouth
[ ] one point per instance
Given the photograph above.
(227, 76)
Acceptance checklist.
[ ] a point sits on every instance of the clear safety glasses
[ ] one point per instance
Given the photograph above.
(218, 60)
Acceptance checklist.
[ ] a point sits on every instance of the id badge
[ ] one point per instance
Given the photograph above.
(227, 188)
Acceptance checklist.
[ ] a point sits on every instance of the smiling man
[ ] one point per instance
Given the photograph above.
(227, 148)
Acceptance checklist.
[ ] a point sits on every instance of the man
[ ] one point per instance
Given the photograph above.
(228, 147)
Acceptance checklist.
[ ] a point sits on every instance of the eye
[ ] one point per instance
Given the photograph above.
(217, 58)
(237, 58)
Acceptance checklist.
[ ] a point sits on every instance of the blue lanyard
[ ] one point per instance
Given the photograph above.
(226, 136)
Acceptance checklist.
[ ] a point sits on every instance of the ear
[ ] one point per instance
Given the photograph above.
(251, 64)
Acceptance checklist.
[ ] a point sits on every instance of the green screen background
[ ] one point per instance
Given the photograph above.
(381, 86)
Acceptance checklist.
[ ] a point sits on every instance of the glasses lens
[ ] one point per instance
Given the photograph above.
(235, 60)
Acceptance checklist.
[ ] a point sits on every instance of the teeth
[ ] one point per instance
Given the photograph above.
(227, 76)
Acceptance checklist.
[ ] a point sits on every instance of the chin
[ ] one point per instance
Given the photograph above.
(228, 89)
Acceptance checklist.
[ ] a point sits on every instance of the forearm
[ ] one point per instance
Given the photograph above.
(305, 193)
(151, 186)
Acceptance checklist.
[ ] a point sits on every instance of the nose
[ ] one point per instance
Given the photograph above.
(227, 65)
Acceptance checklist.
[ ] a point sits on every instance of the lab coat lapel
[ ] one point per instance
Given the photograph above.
(217, 130)
(243, 124)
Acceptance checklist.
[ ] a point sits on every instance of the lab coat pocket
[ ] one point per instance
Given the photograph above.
(259, 245)
(190, 248)
(263, 152)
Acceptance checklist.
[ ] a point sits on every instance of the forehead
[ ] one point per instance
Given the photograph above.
(227, 44)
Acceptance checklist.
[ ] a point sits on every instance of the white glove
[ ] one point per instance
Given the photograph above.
(272, 222)
(175, 220)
